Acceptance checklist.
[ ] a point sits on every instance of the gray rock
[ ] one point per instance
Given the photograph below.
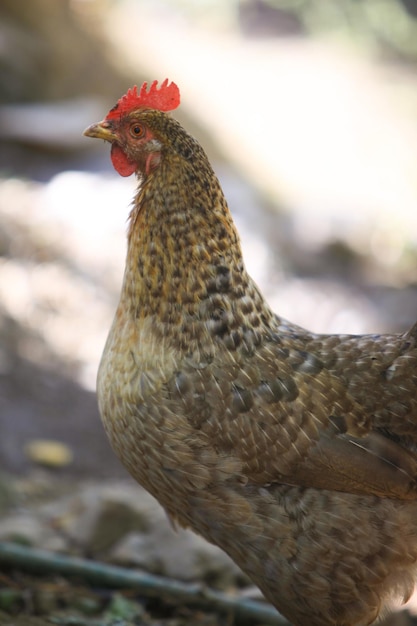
(175, 553)
(122, 523)
(97, 517)
(22, 527)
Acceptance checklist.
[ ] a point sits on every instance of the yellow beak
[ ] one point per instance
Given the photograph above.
(101, 130)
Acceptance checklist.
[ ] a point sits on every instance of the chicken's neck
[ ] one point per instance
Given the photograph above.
(184, 265)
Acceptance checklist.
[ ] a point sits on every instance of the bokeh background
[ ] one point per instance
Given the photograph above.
(308, 111)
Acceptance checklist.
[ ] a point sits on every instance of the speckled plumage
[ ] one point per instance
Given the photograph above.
(294, 452)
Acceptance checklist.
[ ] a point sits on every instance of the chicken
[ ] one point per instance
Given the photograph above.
(294, 452)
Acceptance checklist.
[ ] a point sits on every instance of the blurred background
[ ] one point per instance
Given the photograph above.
(308, 113)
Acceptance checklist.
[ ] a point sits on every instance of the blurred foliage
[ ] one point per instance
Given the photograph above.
(51, 50)
(381, 26)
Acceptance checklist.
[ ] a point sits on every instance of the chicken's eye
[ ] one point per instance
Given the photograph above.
(137, 130)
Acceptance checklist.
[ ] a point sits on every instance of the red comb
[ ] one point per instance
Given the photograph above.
(166, 98)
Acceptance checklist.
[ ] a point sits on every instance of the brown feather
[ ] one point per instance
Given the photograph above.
(294, 452)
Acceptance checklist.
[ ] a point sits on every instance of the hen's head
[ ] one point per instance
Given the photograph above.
(136, 127)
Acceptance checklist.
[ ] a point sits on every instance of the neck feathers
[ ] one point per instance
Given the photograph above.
(185, 266)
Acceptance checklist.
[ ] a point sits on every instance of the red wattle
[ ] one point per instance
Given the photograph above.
(121, 163)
